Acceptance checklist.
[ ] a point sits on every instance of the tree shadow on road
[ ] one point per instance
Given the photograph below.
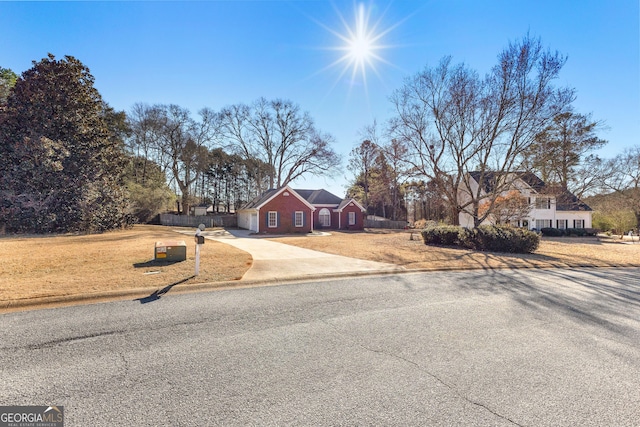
(159, 292)
(595, 297)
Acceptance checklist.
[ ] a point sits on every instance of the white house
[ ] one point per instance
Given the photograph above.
(548, 207)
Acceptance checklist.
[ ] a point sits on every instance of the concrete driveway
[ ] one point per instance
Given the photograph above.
(274, 261)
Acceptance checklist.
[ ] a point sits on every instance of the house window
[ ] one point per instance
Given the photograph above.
(352, 218)
(578, 223)
(299, 219)
(543, 203)
(325, 217)
(543, 223)
(273, 219)
(562, 224)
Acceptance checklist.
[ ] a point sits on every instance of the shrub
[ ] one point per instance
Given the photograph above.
(552, 232)
(484, 238)
(501, 239)
(573, 232)
(576, 232)
(447, 235)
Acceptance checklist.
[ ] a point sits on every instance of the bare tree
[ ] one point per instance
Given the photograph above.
(361, 161)
(179, 142)
(622, 176)
(508, 207)
(455, 122)
(395, 152)
(611, 213)
(279, 134)
(425, 202)
(145, 122)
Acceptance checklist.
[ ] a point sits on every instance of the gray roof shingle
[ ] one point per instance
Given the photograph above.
(565, 200)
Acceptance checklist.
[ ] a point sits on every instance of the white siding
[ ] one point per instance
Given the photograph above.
(244, 221)
(545, 214)
(572, 215)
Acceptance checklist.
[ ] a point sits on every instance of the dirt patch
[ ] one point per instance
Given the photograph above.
(407, 249)
(35, 267)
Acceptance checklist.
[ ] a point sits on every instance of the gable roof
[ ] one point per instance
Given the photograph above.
(268, 195)
(565, 200)
(346, 202)
(261, 199)
(489, 183)
(319, 197)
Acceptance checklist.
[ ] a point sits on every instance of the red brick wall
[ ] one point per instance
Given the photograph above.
(285, 206)
(340, 220)
(316, 218)
(344, 220)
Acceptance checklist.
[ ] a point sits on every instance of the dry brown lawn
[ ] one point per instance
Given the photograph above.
(37, 267)
(396, 247)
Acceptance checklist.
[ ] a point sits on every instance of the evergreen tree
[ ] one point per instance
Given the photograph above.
(7, 81)
(63, 153)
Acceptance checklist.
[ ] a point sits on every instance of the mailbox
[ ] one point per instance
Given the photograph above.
(199, 237)
(172, 251)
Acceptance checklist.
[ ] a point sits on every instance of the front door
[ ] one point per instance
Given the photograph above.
(325, 217)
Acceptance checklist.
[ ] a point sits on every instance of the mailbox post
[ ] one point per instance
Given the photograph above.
(199, 238)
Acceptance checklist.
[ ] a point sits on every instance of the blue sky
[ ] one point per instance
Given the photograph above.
(216, 53)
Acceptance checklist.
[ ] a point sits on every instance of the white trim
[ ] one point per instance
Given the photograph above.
(349, 221)
(355, 202)
(295, 218)
(320, 217)
(292, 192)
(275, 219)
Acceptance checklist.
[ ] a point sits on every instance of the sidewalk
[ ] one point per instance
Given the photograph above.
(274, 261)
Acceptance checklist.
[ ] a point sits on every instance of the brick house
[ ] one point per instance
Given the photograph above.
(285, 211)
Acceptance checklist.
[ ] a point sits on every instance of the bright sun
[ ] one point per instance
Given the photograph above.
(360, 46)
(360, 42)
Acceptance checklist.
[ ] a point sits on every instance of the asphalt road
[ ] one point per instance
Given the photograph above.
(479, 348)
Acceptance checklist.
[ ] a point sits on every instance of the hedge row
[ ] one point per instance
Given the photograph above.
(557, 232)
(483, 238)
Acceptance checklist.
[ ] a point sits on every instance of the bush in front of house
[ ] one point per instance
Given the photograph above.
(447, 235)
(500, 239)
(576, 232)
(552, 232)
(571, 232)
(483, 238)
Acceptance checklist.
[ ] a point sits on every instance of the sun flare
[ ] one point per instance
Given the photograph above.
(361, 47)
(360, 42)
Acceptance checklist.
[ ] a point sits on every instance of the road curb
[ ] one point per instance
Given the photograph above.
(143, 293)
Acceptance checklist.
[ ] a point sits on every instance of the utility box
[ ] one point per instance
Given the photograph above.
(171, 250)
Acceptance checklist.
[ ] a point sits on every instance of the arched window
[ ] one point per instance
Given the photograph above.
(325, 217)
